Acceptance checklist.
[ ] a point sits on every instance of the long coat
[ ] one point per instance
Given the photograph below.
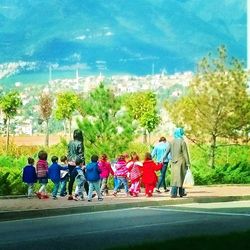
(179, 162)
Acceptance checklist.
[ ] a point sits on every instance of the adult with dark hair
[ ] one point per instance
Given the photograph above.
(179, 162)
(158, 155)
(75, 151)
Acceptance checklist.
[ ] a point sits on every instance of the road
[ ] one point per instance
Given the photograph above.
(100, 230)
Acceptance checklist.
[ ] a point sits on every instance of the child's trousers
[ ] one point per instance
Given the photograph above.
(149, 188)
(94, 185)
(135, 187)
(30, 189)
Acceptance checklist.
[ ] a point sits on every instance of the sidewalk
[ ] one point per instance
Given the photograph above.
(28, 208)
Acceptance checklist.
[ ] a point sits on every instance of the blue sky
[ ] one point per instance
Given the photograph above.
(118, 37)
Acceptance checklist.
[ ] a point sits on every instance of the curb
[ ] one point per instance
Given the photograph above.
(28, 214)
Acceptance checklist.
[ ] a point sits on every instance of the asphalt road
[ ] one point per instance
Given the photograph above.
(101, 230)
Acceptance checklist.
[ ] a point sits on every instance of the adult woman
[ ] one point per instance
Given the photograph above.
(179, 163)
(75, 151)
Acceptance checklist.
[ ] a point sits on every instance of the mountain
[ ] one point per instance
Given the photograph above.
(114, 37)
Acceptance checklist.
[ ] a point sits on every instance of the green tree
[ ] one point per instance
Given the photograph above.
(217, 104)
(9, 104)
(142, 107)
(107, 125)
(67, 104)
(46, 105)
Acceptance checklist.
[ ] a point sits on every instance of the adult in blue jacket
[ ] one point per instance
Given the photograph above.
(54, 175)
(158, 154)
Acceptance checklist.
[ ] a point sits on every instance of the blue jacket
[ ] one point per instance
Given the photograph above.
(93, 172)
(54, 172)
(159, 151)
(29, 174)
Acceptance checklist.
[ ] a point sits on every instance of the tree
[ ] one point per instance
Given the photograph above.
(142, 106)
(106, 124)
(67, 104)
(45, 105)
(10, 103)
(217, 104)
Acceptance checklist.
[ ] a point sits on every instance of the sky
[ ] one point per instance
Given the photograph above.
(117, 36)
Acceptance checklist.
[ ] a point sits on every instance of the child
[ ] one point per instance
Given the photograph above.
(121, 174)
(93, 177)
(135, 171)
(64, 174)
(54, 175)
(79, 178)
(29, 176)
(106, 170)
(149, 177)
(42, 174)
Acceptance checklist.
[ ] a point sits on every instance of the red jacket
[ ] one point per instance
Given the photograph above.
(148, 172)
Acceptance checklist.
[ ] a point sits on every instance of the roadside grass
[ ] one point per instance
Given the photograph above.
(232, 241)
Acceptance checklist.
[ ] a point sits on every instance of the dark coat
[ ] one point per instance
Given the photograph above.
(29, 174)
(54, 172)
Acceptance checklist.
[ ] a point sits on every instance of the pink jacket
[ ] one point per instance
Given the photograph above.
(121, 169)
(42, 169)
(105, 169)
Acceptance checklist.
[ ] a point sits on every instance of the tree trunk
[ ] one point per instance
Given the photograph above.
(213, 151)
(47, 133)
(70, 128)
(64, 127)
(8, 134)
(145, 136)
(149, 138)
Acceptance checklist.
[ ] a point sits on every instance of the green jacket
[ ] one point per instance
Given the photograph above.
(75, 149)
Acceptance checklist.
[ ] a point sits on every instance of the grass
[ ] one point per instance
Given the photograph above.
(230, 241)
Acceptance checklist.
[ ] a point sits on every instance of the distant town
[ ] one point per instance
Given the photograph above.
(27, 122)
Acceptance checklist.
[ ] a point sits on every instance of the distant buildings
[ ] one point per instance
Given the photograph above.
(26, 122)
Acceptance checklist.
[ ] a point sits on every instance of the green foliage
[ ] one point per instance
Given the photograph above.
(232, 165)
(107, 126)
(9, 103)
(67, 103)
(217, 104)
(142, 106)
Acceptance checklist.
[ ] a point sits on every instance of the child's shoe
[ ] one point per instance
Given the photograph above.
(89, 200)
(45, 196)
(100, 199)
(39, 195)
(54, 198)
(70, 198)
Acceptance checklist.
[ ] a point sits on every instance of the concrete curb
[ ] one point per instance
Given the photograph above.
(28, 214)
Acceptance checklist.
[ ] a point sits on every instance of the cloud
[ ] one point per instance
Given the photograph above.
(83, 37)
(109, 33)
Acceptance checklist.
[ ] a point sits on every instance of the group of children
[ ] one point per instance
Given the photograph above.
(127, 173)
